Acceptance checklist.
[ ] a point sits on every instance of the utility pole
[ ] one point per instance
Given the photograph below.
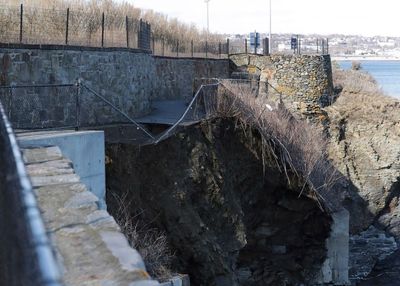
(270, 27)
(208, 18)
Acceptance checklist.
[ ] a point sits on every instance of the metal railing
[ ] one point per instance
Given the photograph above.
(73, 106)
(26, 255)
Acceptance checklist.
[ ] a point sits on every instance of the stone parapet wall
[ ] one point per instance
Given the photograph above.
(129, 79)
(305, 81)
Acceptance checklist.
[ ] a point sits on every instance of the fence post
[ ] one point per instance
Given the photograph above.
(21, 23)
(219, 49)
(67, 28)
(177, 48)
(206, 49)
(77, 104)
(163, 46)
(127, 31)
(327, 46)
(227, 47)
(102, 30)
(192, 48)
(299, 46)
(245, 46)
(154, 44)
(317, 46)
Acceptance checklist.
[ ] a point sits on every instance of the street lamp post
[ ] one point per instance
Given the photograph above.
(208, 18)
(270, 27)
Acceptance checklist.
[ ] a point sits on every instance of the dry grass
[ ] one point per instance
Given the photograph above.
(44, 23)
(360, 96)
(296, 146)
(151, 243)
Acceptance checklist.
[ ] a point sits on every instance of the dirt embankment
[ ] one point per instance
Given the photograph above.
(229, 220)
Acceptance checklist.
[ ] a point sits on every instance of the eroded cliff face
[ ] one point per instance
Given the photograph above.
(230, 221)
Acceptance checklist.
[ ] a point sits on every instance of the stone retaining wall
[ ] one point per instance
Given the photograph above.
(305, 81)
(129, 79)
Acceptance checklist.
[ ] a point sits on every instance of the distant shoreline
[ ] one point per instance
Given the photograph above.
(367, 58)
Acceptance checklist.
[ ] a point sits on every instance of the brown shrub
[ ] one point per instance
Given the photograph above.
(295, 145)
(151, 243)
(361, 96)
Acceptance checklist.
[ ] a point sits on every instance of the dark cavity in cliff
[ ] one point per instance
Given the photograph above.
(229, 218)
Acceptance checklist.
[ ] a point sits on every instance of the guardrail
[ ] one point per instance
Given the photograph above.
(26, 255)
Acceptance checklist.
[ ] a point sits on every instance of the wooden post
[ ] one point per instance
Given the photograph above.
(206, 49)
(127, 31)
(245, 46)
(21, 23)
(67, 28)
(317, 46)
(163, 46)
(227, 47)
(102, 30)
(177, 48)
(192, 48)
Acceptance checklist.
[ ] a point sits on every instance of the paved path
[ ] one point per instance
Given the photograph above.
(168, 112)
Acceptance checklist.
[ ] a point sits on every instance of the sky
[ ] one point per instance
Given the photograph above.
(360, 17)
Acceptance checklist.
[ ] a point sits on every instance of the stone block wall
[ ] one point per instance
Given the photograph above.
(124, 78)
(305, 81)
(129, 79)
(177, 75)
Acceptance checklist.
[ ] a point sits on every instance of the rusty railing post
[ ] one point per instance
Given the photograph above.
(127, 31)
(67, 28)
(77, 104)
(153, 44)
(21, 23)
(102, 29)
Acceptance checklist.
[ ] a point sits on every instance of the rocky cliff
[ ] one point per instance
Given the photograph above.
(231, 219)
(364, 128)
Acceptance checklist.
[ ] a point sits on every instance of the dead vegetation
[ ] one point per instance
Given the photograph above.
(151, 243)
(45, 23)
(296, 146)
(360, 96)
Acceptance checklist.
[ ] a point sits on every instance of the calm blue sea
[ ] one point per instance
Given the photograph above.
(387, 73)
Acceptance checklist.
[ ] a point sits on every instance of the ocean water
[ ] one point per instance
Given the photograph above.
(386, 73)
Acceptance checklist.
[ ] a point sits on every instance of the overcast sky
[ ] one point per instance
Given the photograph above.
(366, 17)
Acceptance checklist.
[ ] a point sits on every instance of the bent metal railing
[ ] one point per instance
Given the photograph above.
(26, 255)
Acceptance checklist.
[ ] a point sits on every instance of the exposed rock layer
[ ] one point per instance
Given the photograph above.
(230, 223)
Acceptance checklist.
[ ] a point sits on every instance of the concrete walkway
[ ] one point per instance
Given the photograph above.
(90, 248)
(168, 112)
